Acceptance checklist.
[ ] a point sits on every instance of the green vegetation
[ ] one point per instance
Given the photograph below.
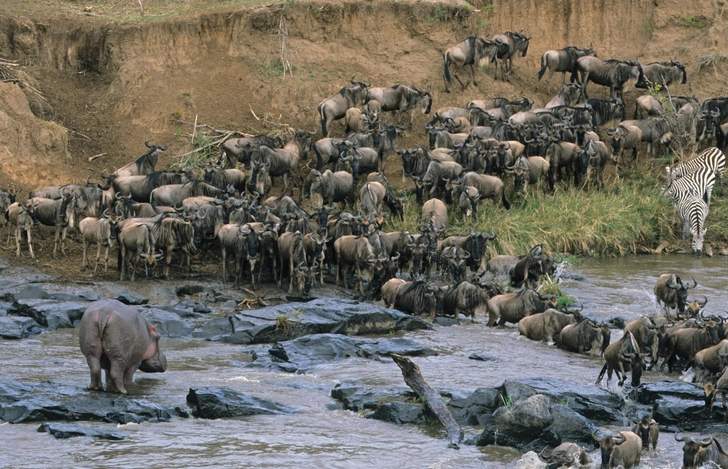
(617, 220)
(506, 401)
(439, 13)
(690, 22)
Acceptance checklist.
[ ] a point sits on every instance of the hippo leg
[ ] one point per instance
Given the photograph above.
(94, 365)
(117, 375)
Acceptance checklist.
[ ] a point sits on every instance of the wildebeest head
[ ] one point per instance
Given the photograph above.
(114, 220)
(607, 446)
(681, 67)
(643, 429)
(635, 71)
(423, 100)
(149, 263)
(691, 448)
(681, 291)
(250, 238)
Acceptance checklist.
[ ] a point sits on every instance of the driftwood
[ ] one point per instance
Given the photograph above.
(413, 378)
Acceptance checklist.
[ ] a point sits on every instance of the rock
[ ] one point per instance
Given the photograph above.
(168, 324)
(446, 322)
(596, 404)
(324, 315)
(50, 314)
(358, 398)
(399, 413)
(519, 424)
(187, 307)
(215, 329)
(192, 290)
(24, 402)
(477, 408)
(132, 299)
(31, 292)
(212, 403)
(300, 355)
(68, 430)
(569, 425)
(18, 327)
(676, 403)
(482, 357)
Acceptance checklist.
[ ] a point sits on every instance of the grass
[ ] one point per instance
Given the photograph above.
(506, 401)
(625, 215)
(690, 22)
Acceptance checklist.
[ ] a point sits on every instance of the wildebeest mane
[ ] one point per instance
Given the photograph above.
(417, 285)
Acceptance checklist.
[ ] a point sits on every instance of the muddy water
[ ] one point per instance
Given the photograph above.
(319, 435)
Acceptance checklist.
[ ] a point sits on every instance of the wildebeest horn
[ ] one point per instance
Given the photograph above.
(705, 302)
(490, 237)
(680, 438)
(695, 284)
(178, 209)
(164, 147)
(147, 144)
(619, 436)
(118, 196)
(105, 215)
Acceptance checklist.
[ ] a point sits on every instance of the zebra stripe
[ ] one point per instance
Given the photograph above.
(700, 182)
(693, 211)
(711, 158)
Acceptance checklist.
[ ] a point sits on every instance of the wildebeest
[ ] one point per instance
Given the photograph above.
(696, 453)
(715, 113)
(468, 202)
(647, 335)
(561, 155)
(99, 231)
(624, 351)
(418, 298)
(655, 130)
(173, 195)
(475, 243)
(712, 390)
(621, 450)
(468, 52)
(240, 150)
(59, 213)
(685, 343)
(507, 45)
(584, 336)
(664, 73)
(529, 268)
(625, 137)
(136, 241)
(144, 164)
(563, 61)
(335, 107)
(489, 187)
(466, 298)
(140, 187)
(512, 307)
(672, 293)
(649, 431)
(402, 98)
(223, 178)
(327, 187)
(435, 212)
(291, 253)
(567, 454)
(567, 96)
(604, 111)
(242, 242)
(592, 157)
(285, 161)
(22, 215)
(710, 361)
(355, 121)
(529, 170)
(611, 73)
(390, 289)
(354, 251)
(545, 326)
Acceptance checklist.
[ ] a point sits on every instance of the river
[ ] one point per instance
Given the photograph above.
(320, 435)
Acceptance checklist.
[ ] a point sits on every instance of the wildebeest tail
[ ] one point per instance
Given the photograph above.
(574, 75)
(544, 65)
(601, 374)
(505, 201)
(636, 105)
(448, 77)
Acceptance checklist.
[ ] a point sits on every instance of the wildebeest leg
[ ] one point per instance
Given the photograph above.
(106, 258)
(18, 232)
(98, 255)
(167, 262)
(122, 254)
(55, 241)
(224, 266)
(290, 274)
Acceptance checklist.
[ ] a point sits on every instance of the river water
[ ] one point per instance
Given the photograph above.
(319, 435)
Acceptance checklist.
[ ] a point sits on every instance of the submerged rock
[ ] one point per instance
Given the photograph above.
(12, 327)
(50, 313)
(320, 316)
(69, 430)
(299, 355)
(213, 403)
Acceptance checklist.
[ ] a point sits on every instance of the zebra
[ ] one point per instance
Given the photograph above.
(700, 182)
(693, 211)
(711, 158)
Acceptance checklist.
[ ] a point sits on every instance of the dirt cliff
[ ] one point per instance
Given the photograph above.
(109, 79)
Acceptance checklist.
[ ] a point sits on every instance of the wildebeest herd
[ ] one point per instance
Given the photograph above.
(471, 152)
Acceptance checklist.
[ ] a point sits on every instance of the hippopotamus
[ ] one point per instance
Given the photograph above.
(118, 339)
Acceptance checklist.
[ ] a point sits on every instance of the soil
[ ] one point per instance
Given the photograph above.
(97, 78)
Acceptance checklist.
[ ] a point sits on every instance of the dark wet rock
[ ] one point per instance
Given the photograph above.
(213, 403)
(299, 355)
(596, 404)
(69, 430)
(18, 327)
(446, 322)
(192, 308)
(40, 402)
(676, 403)
(31, 292)
(51, 314)
(569, 425)
(214, 329)
(168, 324)
(400, 413)
(477, 408)
(482, 357)
(321, 316)
(129, 298)
(358, 398)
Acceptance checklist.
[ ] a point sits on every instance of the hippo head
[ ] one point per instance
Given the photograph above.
(154, 360)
